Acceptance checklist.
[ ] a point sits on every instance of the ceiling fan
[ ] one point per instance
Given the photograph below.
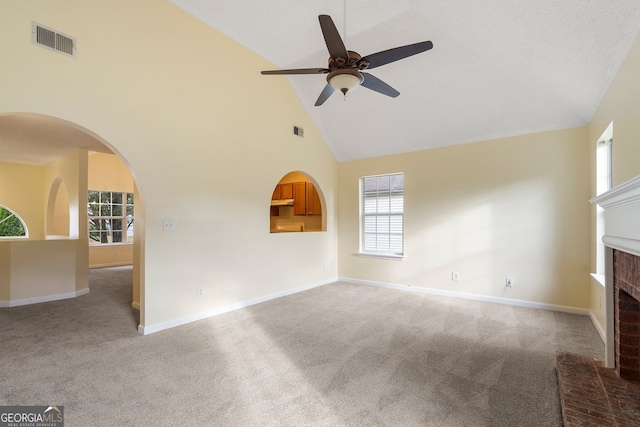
(345, 69)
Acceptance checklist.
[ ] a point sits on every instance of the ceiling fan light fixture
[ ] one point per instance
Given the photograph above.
(345, 80)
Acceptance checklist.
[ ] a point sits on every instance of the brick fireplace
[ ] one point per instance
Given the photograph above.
(626, 287)
(621, 238)
(598, 392)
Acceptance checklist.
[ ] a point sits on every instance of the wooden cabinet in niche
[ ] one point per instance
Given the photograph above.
(283, 191)
(306, 200)
(299, 198)
(313, 200)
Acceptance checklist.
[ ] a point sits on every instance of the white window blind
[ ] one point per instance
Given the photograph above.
(383, 214)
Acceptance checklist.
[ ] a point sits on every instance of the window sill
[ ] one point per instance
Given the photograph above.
(384, 256)
(599, 278)
(99, 245)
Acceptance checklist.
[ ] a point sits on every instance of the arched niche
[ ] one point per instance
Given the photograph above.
(58, 208)
(297, 205)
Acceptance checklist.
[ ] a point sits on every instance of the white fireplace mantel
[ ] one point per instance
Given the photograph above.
(621, 207)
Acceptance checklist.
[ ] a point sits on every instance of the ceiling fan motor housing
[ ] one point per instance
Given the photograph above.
(354, 61)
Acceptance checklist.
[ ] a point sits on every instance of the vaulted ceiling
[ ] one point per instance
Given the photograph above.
(498, 67)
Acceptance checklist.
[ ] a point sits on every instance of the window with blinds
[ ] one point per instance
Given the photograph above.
(382, 215)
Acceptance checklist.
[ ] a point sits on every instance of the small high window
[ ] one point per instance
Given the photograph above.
(11, 225)
(110, 217)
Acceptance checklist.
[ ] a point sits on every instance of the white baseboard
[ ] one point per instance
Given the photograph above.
(45, 298)
(111, 264)
(475, 297)
(150, 329)
(598, 327)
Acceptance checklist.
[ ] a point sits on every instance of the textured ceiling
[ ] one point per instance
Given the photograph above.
(498, 67)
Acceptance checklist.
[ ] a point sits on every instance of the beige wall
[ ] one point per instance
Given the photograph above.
(620, 105)
(204, 151)
(44, 269)
(5, 271)
(22, 190)
(510, 207)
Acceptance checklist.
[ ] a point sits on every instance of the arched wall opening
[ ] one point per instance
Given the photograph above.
(297, 205)
(63, 210)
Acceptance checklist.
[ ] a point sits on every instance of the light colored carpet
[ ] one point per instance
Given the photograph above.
(338, 355)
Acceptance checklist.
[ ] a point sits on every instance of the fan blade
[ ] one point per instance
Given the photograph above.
(396, 54)
(377, 85)
(332, 38)
(325, 94)
(297, 71)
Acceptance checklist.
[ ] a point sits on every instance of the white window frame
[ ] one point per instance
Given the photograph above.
(16, 216)
(604, 162)
(125, 216)
(382, 216)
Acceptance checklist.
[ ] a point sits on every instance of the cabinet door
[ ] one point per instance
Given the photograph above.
(313, 200)
(286, 191)
(299, 198)
(276, 193)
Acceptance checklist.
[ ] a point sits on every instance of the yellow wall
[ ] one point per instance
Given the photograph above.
(22, 191)
(108, 173)
(204, 152)
(620, 105)
(31, 271)
(509, 207)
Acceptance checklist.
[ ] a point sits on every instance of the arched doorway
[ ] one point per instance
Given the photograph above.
(37, 147)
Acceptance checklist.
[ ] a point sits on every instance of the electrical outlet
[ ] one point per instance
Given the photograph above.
(168, 225)
(455, 276)
(199, 291)
(509, 282)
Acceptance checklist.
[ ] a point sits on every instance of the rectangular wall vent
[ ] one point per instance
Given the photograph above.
(54, 40)
(298, 131)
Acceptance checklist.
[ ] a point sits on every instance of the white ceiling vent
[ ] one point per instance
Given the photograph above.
(54, 40)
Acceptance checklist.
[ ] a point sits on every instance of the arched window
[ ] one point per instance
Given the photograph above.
(11, 225)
